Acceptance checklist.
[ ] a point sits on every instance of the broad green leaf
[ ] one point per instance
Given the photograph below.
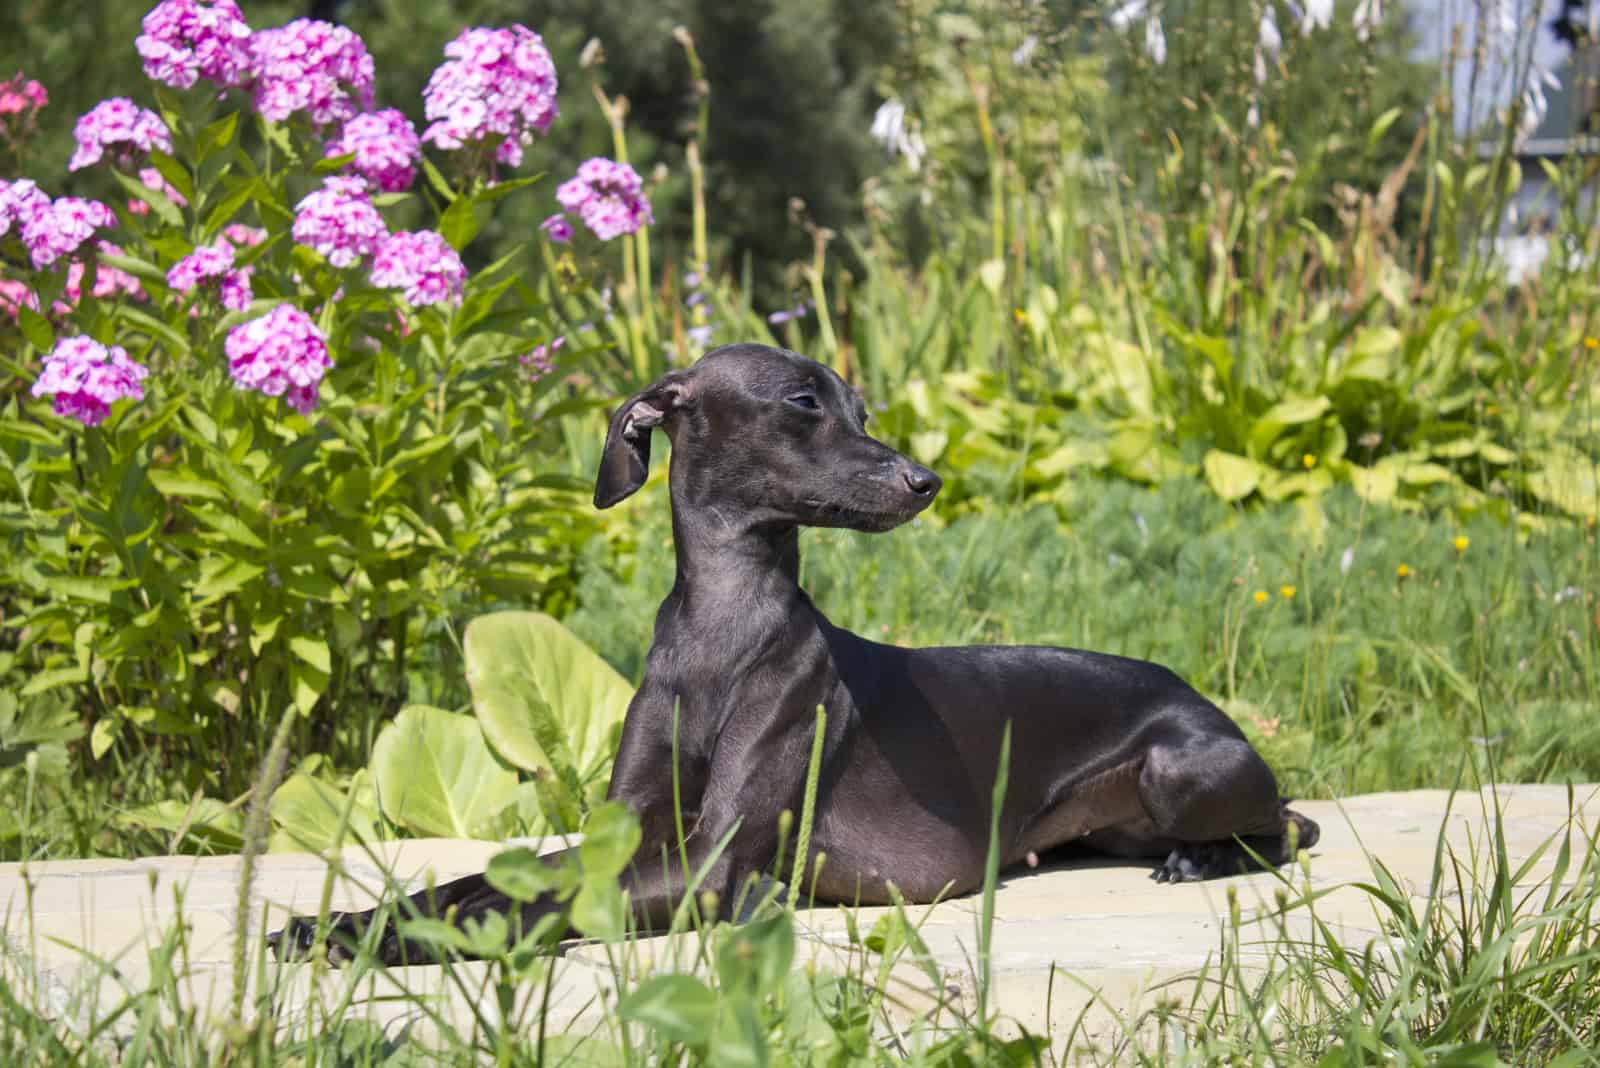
(537, 688)
(306, 812)
(36, 328)
(1377, 484)
(435, 774)
(205, 818)
(1567, 479)
(462, 220)
(171, 483)
(1284, 414)
(679, 1008)
(610, 838)
(599, 911)
(220, 576)
(313, 651)
(1232, 477)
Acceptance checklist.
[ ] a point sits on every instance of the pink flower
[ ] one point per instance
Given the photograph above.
(496, 85)
(386, 148)
(109, 281)
(422, 263)
(311, 66)
(86, 378)
(238, 234)
(557, 228)
(18, 95)
(56, 228)
(213, 262)
(281, 354)
(19, 200)
(185, 40)
(608, 197)
(15, 295)
(339, 221)
(121, 125)
(541, 361)
(152, 180)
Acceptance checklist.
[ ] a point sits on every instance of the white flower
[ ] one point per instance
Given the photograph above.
(1318, 15)
(1369, 13)
(1025, 50)
(1155, 41)
(890, 129)
(1124, 16)
(1271, 39)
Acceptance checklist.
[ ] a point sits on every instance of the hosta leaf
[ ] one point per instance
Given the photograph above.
(435, 774)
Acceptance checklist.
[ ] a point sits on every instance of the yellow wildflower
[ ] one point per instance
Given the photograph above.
(1461, 543)
(1261, 596)
(1591, 343)
(1402, 571)
(1286, 592)
(1309, 460)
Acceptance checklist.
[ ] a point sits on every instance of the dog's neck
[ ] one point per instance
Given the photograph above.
(722, 558)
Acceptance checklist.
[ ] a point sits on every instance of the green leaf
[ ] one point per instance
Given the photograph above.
(171, 483)
(541, 694)
(158, 200)
(36, 328)
(205, 818)
(462, 220)
(306, 812)
(220, 576)
(104, 736)
(1232, 477)
(1567, 479)
(755, 957)
(435, 774)
(313, 651)
(1281, 416)
(610, 838)
(1377, 484)
(43, 681)
(229, 526)
(598, 910)
(520, 874)
(679, 1008)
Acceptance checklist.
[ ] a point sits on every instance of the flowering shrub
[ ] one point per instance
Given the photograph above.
(271, 445)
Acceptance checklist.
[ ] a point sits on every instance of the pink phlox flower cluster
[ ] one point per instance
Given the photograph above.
(185, 40)
(557, 228)
(311, 66)
(422, 263)
(120, 125)
(18, 201)
(19, 94)
(53, 229)
(210, 262)
(281, 354)
(15, 295)
(242, 235)
(608, 197)
(385, 146)
(109, 281)
(496, 84)
(339, 221)
(86, 378)
(152, 180)
(541, 361)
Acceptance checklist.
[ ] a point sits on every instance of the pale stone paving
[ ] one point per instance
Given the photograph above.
(1073, 932)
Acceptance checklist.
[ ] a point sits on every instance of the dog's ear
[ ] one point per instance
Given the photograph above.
(626, 458)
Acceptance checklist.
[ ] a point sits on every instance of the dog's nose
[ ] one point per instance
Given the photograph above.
(921, 481)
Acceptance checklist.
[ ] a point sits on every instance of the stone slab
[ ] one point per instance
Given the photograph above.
(1078, 942)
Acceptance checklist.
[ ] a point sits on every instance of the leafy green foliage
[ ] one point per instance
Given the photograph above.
(547, 704)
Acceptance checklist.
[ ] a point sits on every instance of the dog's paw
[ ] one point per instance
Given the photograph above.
(1194, 861)
(296, 940)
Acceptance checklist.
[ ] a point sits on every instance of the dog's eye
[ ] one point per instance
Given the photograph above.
(808, 401)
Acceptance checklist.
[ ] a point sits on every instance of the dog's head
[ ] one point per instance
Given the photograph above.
(776, 436)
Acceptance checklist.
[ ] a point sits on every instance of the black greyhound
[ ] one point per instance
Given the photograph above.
(1120, 755)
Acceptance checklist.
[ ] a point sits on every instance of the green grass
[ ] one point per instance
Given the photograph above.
(1359, 681)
